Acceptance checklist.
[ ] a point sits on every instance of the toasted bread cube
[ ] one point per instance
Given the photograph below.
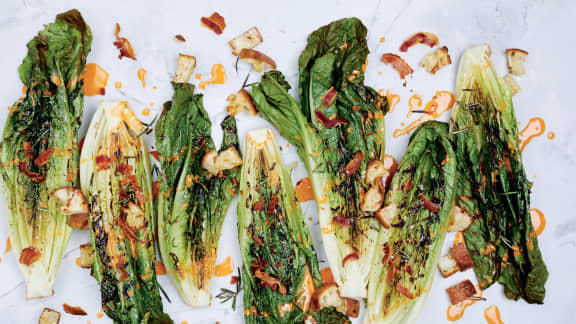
(512, 84)
(447, 266)
(240, 102)
(436, 60)
(228, 159)
(352, 307)
(328, 296)
(375, 171)
(460, 292)
(386, 215)
(461, 256)
(134, 216)
(79, 221)
(86, 255)
(186, 65)
(516, 60)
(461, 220)
(372, 199)
(49, 316)
(248, 39)
(72, 199)
(208, 162)
(259, 60)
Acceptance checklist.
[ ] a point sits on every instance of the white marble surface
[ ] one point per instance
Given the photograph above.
(544, 28)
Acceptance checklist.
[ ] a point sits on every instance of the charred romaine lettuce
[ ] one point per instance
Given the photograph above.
(116, 179)
(196, 184)
(39, 149)
(280, 268)
(417, 212)
(338, 130)
(493, 187)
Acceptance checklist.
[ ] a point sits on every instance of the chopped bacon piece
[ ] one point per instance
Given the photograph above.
(331, 122)
(27, 150)
(329, 97)
(102, 162)
(180, 38)
(386, 256)
(404, 291)
(155, 188)
(29, 255)
(123, 45)
(398, 64)
(259, 205)
(270, 282)
(234, 280)
(354, 165)
(34, 176)
(272, 204)
(215, 22)
(125, 169)
(342, 221)
(350, 257)
(257, 240)
(428, 204)
(74, 310)
(419, 38)
(44, 157)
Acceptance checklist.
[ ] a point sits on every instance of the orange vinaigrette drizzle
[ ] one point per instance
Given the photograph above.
(455, 312)
(414, 103)
(439, 104)
(534, 128)
(492, 315)
(551, 135)
(218, 76)
(393, 99)
(142, 77)
(538, 220)
(118, 85)
(225, 268)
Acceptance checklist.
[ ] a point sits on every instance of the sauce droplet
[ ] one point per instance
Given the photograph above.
(118, 85)
(225, 268)
(146, 112)
(218, 76)
(492, 315)
(534, 128)
(304, 190)
(24, 89)
(100, 314)
(8, 246)
(198, 76)
(439, 104)
(551, 135)
(393, 99)
(154, 88)
(95, 80)
(414, 103)
(160, 268)
(538, 220)
(142, 77)
(455, 312)
(382, 39)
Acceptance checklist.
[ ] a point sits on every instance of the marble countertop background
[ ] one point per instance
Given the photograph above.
(544, 28)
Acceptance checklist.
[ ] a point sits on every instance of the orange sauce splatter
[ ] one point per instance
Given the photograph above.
(79, 262)
(326, 275)
(151, 104)
(492, 315)
(304, 190)
(225, 268)
(100, 314)
(439, 104)
(382, 39)
(393, 99)
(305, 292)
(551, 135)
(198, 76)
(95, 80)
(538, 220)
(117, 84)
(8, 246)
(534, 128)
(380, 73)
(142, 77)
(160, 268)
(459, 238)
(184, 322)
(218, 76)
(146, 112)
(154, 88)
(455, 312)
(24, 89)
(414, 103)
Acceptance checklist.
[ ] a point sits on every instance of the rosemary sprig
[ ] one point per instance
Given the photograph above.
(226, 294)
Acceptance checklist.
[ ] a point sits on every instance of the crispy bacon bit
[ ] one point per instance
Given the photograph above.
(329, 97)
(156, 155)
(331, 122)
(342, 221)
(409, 269)
(390, 274)
(123, 45)
(155, 188)
(125, 169)
(257, 240)
(419, 38)
(268, 281)
(102, 162)
(460, 292)
(215, 22)
(350, 257)
(180, 38)
(398, 64)
(234, 280)
(386, 254)
(74, 310)
(27, 150)
(428, 204)
(354, 165)
(29, 255)
(408, 185)
(34, 176)
(259, 205)
(404, 291)
(272, 204)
